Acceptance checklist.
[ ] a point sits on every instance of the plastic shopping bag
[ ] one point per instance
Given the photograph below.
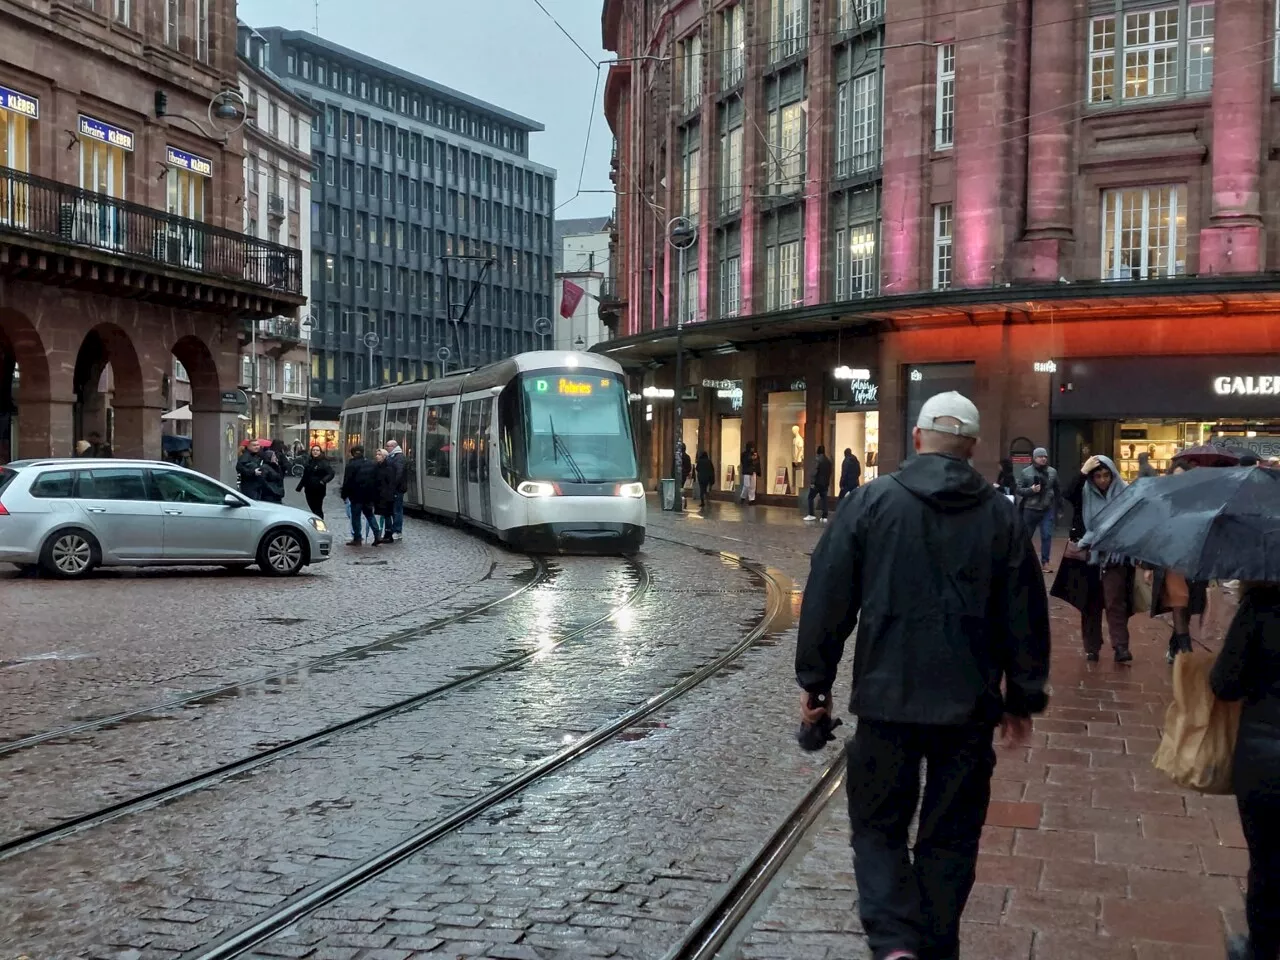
(1199, 736)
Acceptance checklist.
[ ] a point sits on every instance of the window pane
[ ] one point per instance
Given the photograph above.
(113, 484)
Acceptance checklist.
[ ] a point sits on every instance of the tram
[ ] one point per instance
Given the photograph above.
(536, 449)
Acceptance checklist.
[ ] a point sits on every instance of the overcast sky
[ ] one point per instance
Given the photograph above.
(504, 51)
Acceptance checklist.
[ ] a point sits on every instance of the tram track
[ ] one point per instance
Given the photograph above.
(539, 573)
(268, 925)
(77, 824)
(722, 923)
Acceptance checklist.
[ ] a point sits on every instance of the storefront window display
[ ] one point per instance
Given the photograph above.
(784, 414)
(727, 409)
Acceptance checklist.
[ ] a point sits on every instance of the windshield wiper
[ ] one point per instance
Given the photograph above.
(557, 443)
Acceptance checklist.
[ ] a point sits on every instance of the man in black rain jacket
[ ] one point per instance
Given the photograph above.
(360, 490)
(931, 564)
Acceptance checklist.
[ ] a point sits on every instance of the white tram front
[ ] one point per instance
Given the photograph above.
(536, 449)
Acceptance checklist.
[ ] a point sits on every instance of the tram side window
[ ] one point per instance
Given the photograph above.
(373, 430)
(436, 447)
(352, 429)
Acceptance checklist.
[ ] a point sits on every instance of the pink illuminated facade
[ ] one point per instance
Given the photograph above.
(906, 183)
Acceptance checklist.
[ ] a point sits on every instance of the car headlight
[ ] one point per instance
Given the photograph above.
(633, 490)
(318, 524)
(536, 488)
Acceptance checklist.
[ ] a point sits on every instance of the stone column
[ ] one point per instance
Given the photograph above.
(1232, 241)
(1049, 160)
(44, 426)
(138, 430)
(213, 444)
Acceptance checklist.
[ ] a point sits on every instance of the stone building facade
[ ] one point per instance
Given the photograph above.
(121, 243)
(899, 197)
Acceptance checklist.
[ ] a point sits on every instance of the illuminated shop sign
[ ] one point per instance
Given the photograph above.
(188, 161)
(19, 103)
(1044, 366)
(850, 373)
(659, 393)
(105, 133)
(1247, 386)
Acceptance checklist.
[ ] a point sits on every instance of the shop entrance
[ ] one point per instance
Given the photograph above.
(784, 454)
(859, 432)
(730, 452)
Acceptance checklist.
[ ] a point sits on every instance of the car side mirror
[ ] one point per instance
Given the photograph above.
(231, 500)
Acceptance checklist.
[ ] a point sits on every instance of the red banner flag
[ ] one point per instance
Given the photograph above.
(570, 298)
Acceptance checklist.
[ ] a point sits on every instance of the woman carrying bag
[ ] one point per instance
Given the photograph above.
(1248, 669)
(1093, 583)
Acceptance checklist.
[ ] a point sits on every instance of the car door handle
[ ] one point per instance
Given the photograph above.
(96, 509)
(173, 513)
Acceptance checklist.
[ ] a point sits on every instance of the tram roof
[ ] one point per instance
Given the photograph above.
(482, 378)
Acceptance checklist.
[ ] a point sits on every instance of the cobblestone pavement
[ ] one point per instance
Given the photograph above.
(172, 878)
(128, 638)
(1088, 853)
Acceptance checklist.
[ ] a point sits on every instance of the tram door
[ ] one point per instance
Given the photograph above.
(473, 461)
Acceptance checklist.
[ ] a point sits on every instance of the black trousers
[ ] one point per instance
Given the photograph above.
(908, 905)
(702, 492)
(1260, 820)
(822, 495)
(315, 500)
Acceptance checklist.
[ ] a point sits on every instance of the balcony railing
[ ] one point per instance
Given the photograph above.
(58, 212)
(609, 290)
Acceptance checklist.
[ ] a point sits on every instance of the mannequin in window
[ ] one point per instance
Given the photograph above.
(797, 446)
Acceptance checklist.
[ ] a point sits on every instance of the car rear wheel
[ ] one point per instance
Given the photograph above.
(281, 554)
(69, 554)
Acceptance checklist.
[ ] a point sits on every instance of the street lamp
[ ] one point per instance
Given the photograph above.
(306, 325)
(370, 340)
(682, 233)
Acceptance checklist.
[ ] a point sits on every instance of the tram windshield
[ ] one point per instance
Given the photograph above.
(578, 427)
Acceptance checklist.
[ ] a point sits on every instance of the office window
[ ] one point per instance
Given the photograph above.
(173, 23)
(346, 174)
(788, 28)
(690, 177)
(346, 271)
(855, 229)
(852, 14)
(945, 95)
(786, 130)
(731, 170)
(691, 71)
(328, 170)
(202, 30)
(733, 46)
(857, 125)
(782, 276)
(730, 286)
(1144, 233)
(1141, 52)
(942, 226)
(120, 9)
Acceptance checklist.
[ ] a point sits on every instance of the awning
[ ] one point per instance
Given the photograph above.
(182, 413)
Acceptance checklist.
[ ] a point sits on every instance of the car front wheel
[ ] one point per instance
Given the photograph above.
(281, 554)
(68, 554)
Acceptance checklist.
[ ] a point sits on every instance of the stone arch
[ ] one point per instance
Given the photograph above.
(210, 452)
(26, 421)
(124, 420)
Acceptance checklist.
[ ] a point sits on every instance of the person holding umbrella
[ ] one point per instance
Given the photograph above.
(1095, 582)
(1172, 593)
(1224, 525)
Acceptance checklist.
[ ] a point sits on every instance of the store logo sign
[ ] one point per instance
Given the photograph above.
(1247, 386)
(189, 161)
(916, 376)
(865, 392)
(1045, 366)
(105, 133)
(19, 103)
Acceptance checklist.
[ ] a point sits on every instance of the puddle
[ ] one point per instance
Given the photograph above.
(40, 657)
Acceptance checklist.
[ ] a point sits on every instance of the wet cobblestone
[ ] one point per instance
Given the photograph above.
(262, 837)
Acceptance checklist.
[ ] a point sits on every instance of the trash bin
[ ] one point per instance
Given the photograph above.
(667, 489)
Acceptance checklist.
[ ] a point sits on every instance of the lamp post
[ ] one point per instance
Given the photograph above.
(306, 325)
(542, 326)
(370, 340)
(682, 233)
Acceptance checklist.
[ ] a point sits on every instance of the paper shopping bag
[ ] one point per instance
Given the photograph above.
(1199, 736)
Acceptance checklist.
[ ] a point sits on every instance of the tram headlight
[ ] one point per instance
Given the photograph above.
(634, 491)
(534, 489)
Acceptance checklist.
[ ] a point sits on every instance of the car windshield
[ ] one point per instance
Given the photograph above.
(578, 427)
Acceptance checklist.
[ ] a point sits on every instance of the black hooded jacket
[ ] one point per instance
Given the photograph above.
(1248, 669)
(931, 565)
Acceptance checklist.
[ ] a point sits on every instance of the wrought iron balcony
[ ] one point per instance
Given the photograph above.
(274, 335)
(61, 216)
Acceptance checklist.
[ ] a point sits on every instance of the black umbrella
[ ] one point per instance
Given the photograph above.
(1219, 524)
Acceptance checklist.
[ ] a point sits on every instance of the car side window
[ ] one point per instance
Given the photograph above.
(115, 483)
(54, 484)
(173, 487)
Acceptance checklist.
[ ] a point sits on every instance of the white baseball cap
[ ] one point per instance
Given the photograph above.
(952, 406)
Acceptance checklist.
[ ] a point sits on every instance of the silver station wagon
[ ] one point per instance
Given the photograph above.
(69, 516)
